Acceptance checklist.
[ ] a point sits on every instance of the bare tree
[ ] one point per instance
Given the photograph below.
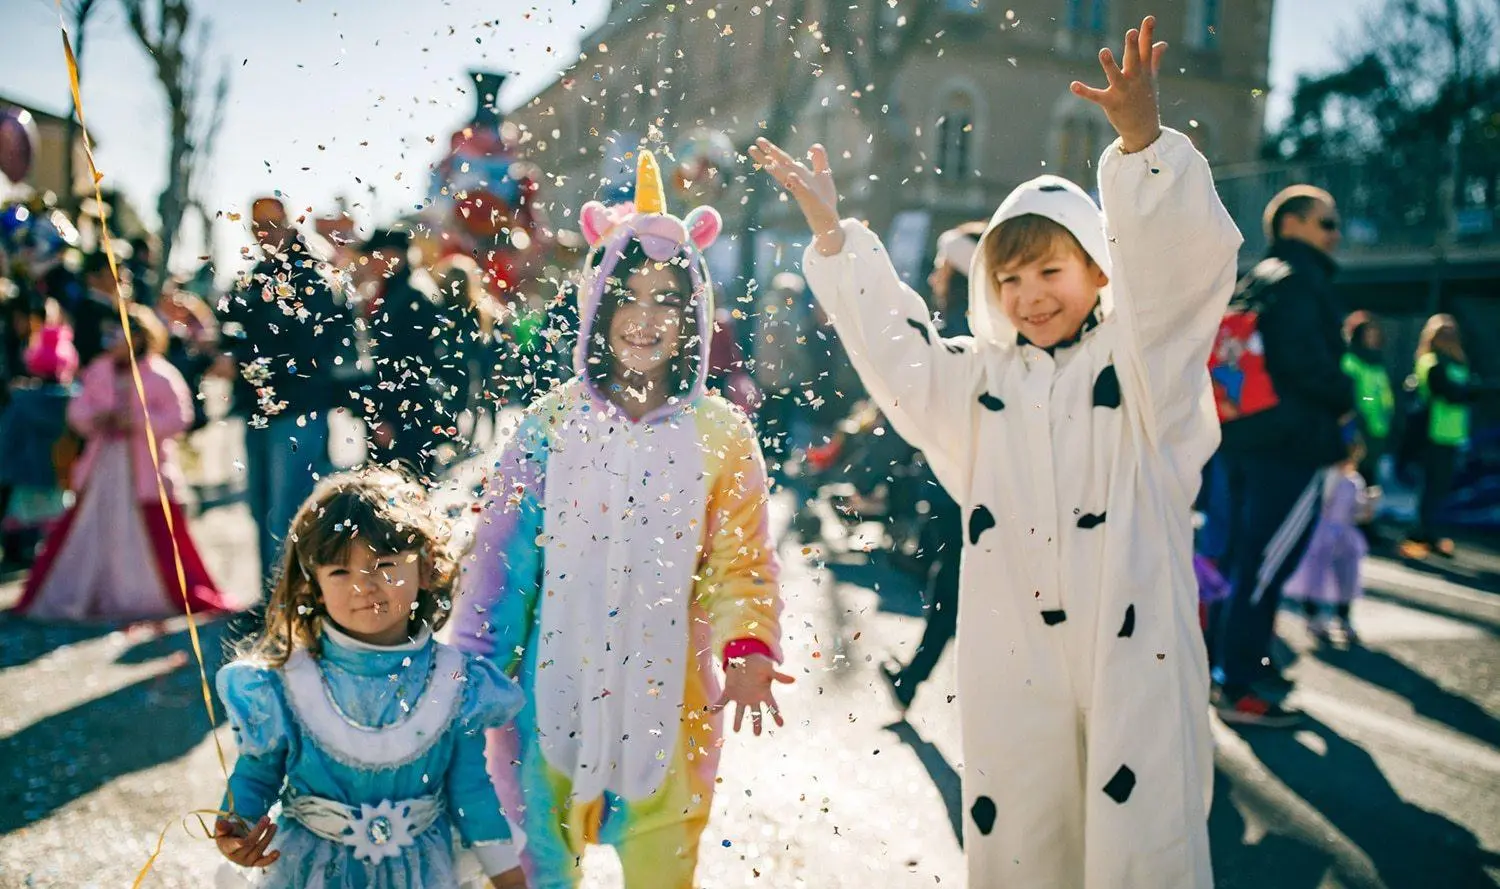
(78, 13)
(178, 46)
(207, 143)
(1411, 107)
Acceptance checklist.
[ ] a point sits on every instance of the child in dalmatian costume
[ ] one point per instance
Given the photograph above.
(1072, 428)
(623, 554)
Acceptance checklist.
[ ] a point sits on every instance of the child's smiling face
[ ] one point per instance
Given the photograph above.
(370, 595)
(646, 330)
(1047, 299)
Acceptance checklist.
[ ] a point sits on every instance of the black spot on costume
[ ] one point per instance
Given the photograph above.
(980, 521)
(983, 812)
(1107, 388)
(991, 402)
(1121, 785)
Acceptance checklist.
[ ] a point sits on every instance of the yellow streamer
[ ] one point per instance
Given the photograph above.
(161, 488)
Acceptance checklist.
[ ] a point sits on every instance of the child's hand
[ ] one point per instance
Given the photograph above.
(1130, 99)
(515, 878)
(748, 684)
(813, 190)
(244, 845)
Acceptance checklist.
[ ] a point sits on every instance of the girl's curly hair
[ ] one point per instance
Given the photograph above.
(379, 508)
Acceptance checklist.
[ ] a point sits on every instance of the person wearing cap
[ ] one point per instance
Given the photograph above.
(948, 283)
(404, 402)
(1071, 428)
(1275, 460)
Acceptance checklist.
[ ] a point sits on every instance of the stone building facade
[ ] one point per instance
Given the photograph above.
(977, 105)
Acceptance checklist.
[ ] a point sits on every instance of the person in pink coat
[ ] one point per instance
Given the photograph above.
(111, 556)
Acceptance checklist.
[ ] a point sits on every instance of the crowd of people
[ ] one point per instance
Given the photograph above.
(1047, 403)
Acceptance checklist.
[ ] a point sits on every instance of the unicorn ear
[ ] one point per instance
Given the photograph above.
(704, 225)
(594, 221)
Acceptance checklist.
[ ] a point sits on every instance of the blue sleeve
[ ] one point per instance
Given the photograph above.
(490, 700)
(253, 701)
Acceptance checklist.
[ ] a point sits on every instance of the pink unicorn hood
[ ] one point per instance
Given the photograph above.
(664, 238)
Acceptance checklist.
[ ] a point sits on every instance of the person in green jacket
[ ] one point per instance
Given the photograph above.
(1374, 401)
(1446, 386)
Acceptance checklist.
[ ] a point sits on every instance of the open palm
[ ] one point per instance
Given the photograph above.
(812, 188)
(1129, 101)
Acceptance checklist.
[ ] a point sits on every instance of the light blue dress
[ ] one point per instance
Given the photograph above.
(364, 726)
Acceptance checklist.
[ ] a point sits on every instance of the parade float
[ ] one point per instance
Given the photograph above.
(483, 194)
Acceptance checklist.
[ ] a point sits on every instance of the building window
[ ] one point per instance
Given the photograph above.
(1203, 23)
(954, 157)
(1080, 143)
(1088, 16)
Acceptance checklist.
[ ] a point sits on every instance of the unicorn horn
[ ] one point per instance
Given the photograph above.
(650, 197)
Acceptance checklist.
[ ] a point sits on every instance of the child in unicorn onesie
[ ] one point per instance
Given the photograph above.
(1072, 429)
(622, 550)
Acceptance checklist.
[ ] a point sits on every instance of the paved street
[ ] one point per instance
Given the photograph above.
(1394, 782)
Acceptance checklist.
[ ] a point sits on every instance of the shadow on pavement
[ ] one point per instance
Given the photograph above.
(23, 641)
(899, 592)
(942, 773)
(212, 631)
(54, 761)
(1426, 696)
(1273, 860)
(1410, 847)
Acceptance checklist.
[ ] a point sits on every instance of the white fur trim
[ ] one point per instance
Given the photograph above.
(376, 748)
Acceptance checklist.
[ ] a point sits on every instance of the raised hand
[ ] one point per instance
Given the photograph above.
(245, 845)
(812, 189)
(1130, 100)
(747, 685)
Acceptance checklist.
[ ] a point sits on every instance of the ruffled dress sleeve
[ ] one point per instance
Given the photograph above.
(256, 706)
(491, 699)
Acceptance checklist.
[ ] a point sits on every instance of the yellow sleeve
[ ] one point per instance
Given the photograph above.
(738, 581)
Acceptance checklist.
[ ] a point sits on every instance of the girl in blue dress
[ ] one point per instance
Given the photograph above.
(367, 732)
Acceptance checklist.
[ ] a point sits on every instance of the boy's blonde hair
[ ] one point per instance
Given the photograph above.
(1028, 238)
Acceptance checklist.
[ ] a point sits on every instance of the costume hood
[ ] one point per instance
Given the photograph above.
(1058, 200)
(663, 237)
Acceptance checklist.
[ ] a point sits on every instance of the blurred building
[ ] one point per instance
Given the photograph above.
(979, 104)
(49, 166)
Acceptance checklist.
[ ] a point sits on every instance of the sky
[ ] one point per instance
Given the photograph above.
(357, 97)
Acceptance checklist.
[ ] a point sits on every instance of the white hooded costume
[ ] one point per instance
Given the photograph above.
(1082, 672)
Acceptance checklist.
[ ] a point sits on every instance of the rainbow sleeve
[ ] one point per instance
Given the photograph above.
(501, 575)
(738, 584)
